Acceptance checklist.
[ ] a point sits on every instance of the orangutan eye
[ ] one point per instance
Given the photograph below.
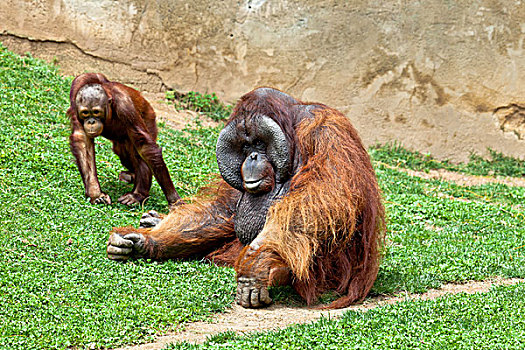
(84, 114)
(259, 145)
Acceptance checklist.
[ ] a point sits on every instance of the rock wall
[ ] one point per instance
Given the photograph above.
(444, 77)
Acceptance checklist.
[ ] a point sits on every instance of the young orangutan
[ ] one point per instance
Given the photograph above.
(119, 113)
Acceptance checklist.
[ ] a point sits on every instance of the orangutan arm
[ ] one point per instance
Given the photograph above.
(190, 230)
(83, 149)
(258, 268)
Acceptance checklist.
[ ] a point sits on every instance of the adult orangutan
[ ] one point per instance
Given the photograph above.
(122, 115)
(299, 204)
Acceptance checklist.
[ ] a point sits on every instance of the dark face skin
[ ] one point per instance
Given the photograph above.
(259, 149)
(92, 103)
(257, 172)
(258, 182)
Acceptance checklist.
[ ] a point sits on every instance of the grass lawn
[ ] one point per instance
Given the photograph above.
(58, 290)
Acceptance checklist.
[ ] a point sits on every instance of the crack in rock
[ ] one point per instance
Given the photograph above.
(44, 51)
(511, 118)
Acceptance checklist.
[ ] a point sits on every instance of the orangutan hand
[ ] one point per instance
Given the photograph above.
(251, 294)
(100, 199)
(253, 277)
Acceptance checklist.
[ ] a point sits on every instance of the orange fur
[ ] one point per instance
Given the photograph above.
(129, 122)
(333, 196)
(264, 264)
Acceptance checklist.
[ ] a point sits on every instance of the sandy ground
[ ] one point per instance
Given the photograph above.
(173, 118)
(240, 320)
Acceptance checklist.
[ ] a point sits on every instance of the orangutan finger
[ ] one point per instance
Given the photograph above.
(150, 219)
(102, 199)
(118, 241)
(238, 294)
(112, 250)
(152, 213)
(118, 257)
(245, 297)
(254, 298)
(138, 242)
(134, 237)
(264, 296)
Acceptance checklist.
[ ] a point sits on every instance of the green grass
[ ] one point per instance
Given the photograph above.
(208, 104)
(482, 321)
(58, 290)
(498, 164)
(434, 236)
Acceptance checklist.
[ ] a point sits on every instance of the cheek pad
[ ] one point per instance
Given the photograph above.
(230, 156)
(277, 150)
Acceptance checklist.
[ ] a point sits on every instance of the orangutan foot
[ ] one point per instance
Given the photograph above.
(150, 219)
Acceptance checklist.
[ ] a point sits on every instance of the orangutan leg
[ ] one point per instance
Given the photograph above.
(126, 176)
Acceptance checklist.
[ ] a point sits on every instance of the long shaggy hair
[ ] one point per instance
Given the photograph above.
(330, 226)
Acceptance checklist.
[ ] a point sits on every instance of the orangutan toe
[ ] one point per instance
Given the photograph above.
(132, 198)
(150, 219)
(251, 294)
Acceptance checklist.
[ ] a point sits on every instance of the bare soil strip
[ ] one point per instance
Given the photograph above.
(240, 320)
(461, 179)
(175, 119)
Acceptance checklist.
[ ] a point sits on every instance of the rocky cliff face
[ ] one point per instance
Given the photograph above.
(443, 77)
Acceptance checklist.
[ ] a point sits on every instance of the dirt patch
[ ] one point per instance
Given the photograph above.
(459, 178)
(174, 118)
(241, 320)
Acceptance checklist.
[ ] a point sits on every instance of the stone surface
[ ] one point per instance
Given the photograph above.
(443, 77)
